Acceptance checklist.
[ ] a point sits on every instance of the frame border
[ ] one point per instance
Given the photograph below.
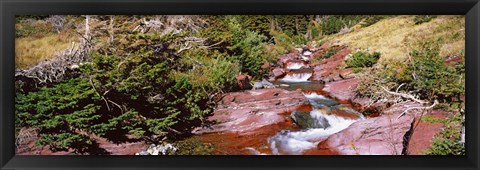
(10, 8)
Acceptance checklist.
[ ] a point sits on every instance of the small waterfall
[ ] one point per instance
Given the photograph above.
(317, 100)
(307, 53)
(295, 142)
(295, 65)
(297, 77)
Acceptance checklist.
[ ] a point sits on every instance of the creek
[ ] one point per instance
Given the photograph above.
(317, 119)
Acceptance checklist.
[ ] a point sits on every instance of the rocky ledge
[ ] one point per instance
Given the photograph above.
(246, 111)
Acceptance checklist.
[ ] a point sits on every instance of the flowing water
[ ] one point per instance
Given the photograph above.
(296, 77)
(296, 65)
(295, 142)
(306, 128)
(323, 122)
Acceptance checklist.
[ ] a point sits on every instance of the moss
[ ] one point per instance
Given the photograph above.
(193, 146)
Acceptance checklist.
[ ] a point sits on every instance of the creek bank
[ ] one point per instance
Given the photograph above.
(244, 112)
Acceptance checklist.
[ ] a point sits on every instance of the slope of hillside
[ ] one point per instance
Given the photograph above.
(394, 36)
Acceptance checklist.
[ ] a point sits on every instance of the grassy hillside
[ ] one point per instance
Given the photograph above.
(395, 36)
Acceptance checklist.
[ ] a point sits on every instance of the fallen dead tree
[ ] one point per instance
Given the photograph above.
(56, 69)
(409, 97)
(62, 66)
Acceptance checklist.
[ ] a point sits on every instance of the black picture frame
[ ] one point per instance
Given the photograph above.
(10, 8)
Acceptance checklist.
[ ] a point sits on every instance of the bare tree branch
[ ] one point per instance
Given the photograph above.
(422, 108)
(408, 96)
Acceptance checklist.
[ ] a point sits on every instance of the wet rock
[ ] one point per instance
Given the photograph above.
(346, 112)
(306, 121)
(267, 84)
(243, 81)
(262, 84)
(383, 135)
(278, 72)
(319, 101)
(257, 85)
(246, 111)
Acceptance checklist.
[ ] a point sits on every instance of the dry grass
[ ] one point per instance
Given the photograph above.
(393, 37)
(31, 50)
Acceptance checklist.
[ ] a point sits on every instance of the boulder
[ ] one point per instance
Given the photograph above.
(243, 81)
(383, 135)
(278, 72)
(267, 84)
(306, 121)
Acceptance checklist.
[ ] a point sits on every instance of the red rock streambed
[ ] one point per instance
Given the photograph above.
(312, 110)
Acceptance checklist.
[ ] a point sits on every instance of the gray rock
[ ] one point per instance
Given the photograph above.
(257, 85)
(305, 120)
(143, 153)
(267, 84)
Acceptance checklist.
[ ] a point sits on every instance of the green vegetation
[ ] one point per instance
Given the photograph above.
(447, 142)
(426, 74)
(361, 60)
(330, 52)
(192, 146)
(419, 19)
(429, 77)
(60, 112)
(372, 20)
(333, 24)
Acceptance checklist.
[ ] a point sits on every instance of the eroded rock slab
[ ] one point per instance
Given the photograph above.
(383, 135)
(244, 112)
(343, 90)
(328, 70)
(424, 132)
